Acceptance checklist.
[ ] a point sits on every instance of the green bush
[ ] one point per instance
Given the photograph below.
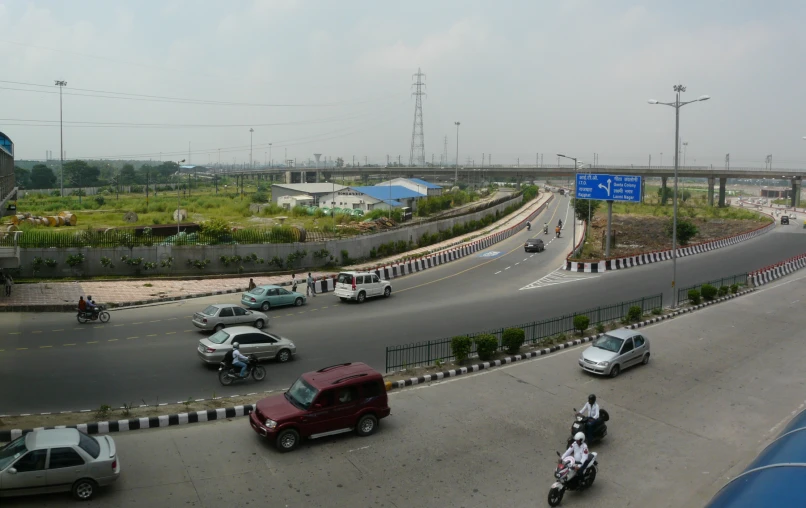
(100, 200)
(657, 311)
(461, 346)
(486, 346)
(634, 313)
(581, 323)
(600, 328)
(686, 230)
(513, 339)
(734, 288)
(694, 296)
(723, 290)
(708, 292)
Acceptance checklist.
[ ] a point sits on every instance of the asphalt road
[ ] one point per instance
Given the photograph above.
(50, 363)
(720, 384)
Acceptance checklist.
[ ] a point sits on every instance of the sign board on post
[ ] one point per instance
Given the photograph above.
(608, 187)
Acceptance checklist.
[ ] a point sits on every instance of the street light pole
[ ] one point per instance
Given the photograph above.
(271, 161)
(251, 130)
(456, 171)
(678, 89)
(61, 84)
(573, 214)
(178, 199)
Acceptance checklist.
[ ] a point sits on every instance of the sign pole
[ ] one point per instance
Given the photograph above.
(609, 221)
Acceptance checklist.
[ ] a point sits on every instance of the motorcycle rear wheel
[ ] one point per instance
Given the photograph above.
(224, 378)
(555, 496)
(259, 374)
(81, 319)
(104, 316)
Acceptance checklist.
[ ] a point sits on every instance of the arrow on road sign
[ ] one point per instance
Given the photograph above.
(607, 189)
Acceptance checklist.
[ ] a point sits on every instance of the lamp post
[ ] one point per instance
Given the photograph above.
(573, 214)
(178, 199)
(61, 84)
(271, 161)
(677, 104)
(456, 172)
(251, 130)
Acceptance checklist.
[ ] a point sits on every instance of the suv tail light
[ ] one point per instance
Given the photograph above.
(114, 464)
(353, 283)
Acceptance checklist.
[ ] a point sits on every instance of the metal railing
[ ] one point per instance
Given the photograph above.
(428, 352)
(739, 278)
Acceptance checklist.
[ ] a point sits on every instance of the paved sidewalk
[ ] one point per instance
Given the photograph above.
(62, 296)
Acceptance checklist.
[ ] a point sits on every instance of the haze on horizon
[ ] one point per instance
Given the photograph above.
(146, 79)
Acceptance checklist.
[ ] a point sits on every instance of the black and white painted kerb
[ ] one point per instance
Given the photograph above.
(392, 385)
(665, 255)
(773, 272)
(151, 422)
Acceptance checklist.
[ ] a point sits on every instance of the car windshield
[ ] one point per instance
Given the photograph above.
(89, 444)
(219, 337)
(257, 291)
(345, 278)
(12, 451)
(210, 311)
(609, 343)
(301, 393)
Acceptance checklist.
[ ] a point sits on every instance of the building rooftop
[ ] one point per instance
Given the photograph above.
(425, 184)
(311, 188)
(387, 192)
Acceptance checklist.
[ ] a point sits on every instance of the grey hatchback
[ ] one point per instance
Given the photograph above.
(58, 460)
(615, 351)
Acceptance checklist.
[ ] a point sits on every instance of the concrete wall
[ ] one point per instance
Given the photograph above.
(357, 247)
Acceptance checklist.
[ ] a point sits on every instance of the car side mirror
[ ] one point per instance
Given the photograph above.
(11, 470)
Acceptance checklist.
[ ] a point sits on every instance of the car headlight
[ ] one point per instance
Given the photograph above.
(604, 364)
(271, 424)
(291, 344)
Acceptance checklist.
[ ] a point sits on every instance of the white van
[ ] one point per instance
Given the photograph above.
(359, 286)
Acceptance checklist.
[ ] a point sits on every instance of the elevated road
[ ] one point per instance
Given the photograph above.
(49, 363)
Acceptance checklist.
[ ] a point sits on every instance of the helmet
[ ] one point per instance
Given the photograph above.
(89, 297)
(592, 398)
(579, 436)
(235, 345)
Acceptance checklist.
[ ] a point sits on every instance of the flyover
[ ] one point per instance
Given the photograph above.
(149, 353)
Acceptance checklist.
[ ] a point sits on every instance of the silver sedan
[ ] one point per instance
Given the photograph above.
(221, 315)
(615, 351)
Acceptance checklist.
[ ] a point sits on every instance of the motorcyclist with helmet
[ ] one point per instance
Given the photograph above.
(591, 410)
(579, 450)
(238, 359)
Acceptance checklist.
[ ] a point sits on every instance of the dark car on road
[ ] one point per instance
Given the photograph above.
(340, 398)
(785, 219)
(534, 245)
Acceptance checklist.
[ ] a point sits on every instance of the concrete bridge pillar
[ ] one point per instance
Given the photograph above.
(663, 189)
(722, 183)
(288, 178)
(711, 182)
(643, 190)
(796, 184)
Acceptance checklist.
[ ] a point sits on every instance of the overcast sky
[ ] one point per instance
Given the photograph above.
(331, 77)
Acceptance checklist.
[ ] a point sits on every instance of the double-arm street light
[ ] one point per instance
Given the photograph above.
(677, 104)
(61, 84)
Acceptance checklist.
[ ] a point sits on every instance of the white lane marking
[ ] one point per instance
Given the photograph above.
(524, 259)
(499, 271)
(559, 276)
(516, 264)
(507, 268)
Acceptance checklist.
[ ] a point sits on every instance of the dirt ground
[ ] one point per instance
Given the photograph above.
(637, 234)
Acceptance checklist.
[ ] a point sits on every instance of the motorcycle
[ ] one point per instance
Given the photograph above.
(528, 227)
(227, 373)
(99, 314)
(546, 230)
(558, 233)
(581, 422)
(583, 478)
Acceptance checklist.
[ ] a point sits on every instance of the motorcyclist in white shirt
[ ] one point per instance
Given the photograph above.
(238, 359)
(579, 450)
(591, 410)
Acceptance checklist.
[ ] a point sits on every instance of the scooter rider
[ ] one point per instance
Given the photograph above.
(528, 226)
(546, 227)
(594, 418)
(238, 359)
(579, 450)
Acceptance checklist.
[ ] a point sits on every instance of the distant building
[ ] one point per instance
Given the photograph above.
(415, 184)
(776, 193)
(372, 198)
(289, 195)
(7, 184)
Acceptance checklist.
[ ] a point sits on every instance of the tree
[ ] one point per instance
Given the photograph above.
(22, 177)
(664, 194)
(686, 230)
(127, 175)
(685, 195)
(42, 177)
(339, 162)
(80, 174)
(581, 208)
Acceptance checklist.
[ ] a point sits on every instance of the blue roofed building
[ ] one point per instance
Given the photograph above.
(415, 184)
(374, 197)
(775, 478)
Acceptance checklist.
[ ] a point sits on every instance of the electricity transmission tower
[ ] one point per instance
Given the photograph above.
(445, 152)
(417, 155)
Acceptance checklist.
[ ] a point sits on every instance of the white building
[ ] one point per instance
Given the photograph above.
(416, 185)
(305, 194)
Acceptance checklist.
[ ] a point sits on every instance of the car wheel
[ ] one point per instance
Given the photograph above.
(265, 306)
(287, 440)
(259, 323)
(366, 425)
(361, 297)
(283, 355)
(646, 359)
(84, 489)
(615, 371)
(298, 302)
(387, 292)
(218, 327)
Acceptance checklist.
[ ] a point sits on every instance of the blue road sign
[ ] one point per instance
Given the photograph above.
(608, 187)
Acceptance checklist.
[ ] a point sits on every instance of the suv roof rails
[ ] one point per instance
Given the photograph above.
(362, 374)
(325, 369)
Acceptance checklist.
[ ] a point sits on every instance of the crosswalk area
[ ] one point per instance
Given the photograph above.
(560, 276)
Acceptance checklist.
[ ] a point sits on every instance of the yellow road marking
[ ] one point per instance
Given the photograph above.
(170, 333)
(37, 331)
(170, 319)
(138, 323)
(155, 321)
(44, 347)
(68, 344)
(98, 326)
(152, 335)
(92, 342)
(21, 348)
(325, 307)
(118, 325)
(471, 268)
(130, 338)
(289, 314)
(111, 340)
(59, 330)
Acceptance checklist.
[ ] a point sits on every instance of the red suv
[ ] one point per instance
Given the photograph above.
(336, 399)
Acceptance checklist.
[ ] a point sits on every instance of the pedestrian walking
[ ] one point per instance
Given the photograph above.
(293, 283)
(8, 283)
(252, 284)
(311, 288)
